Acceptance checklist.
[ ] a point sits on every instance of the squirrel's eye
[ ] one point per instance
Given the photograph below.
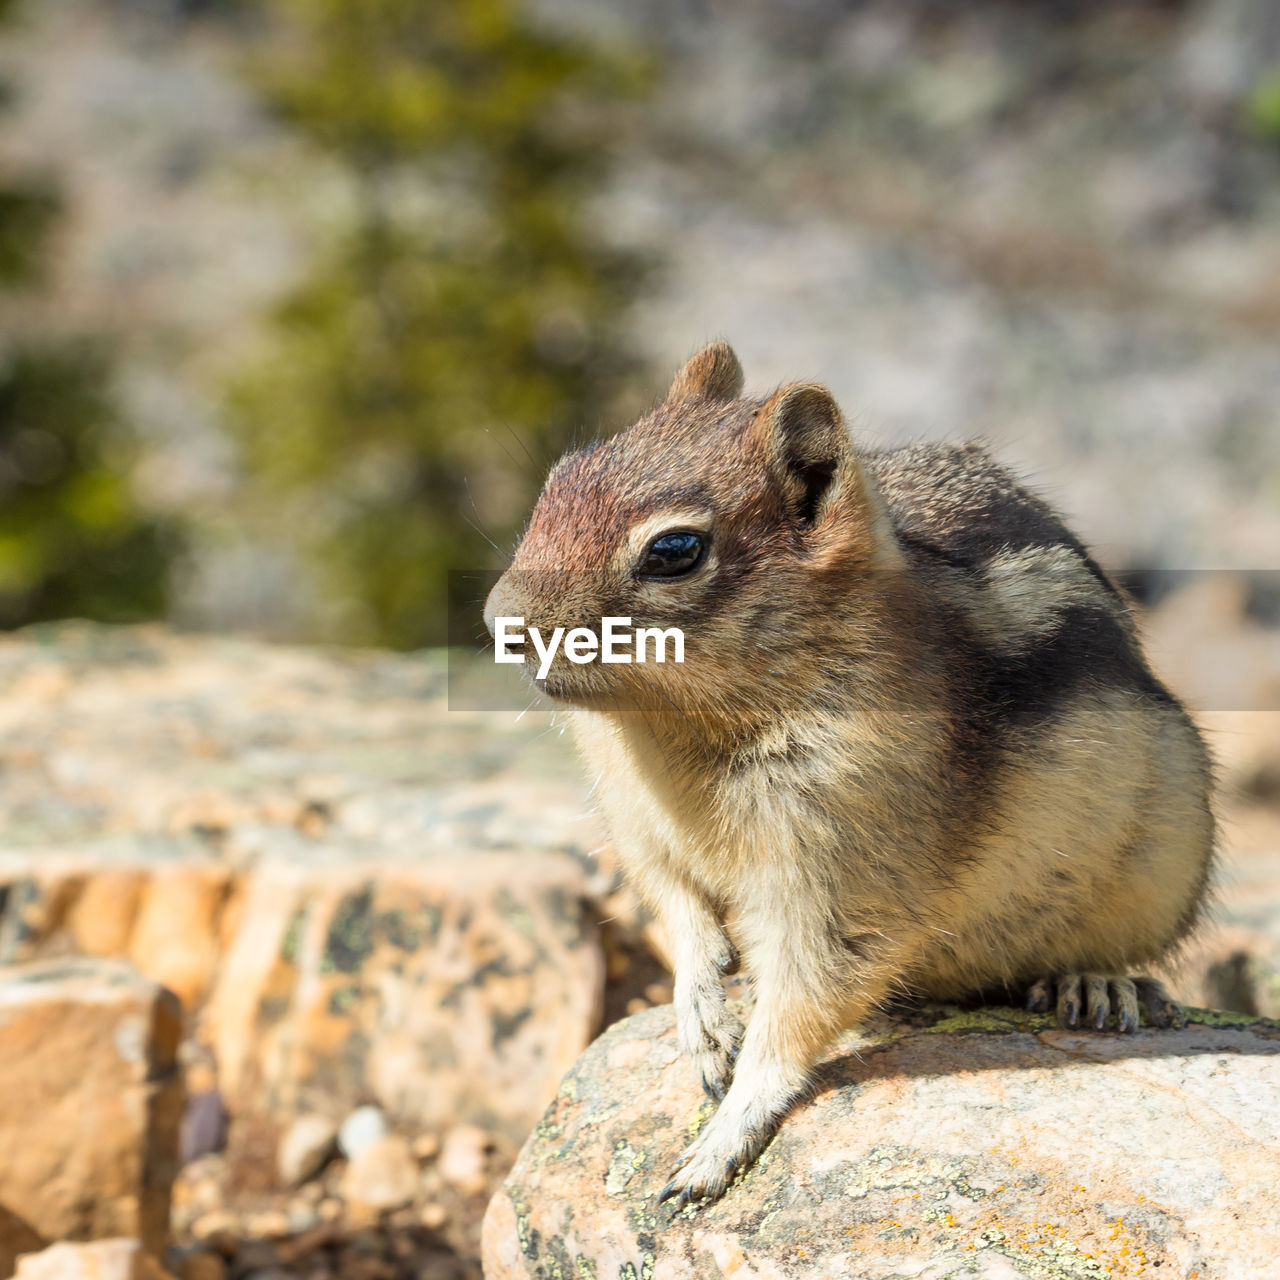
(673, 554)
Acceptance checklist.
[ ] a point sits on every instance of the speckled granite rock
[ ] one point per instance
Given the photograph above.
(445, 988)
(357, 891)
(940, 1145)
(90, 1100)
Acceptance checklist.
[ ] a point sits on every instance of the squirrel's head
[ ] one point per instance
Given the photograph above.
(733, 519)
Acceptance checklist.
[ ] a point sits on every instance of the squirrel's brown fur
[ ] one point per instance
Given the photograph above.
(914, 746)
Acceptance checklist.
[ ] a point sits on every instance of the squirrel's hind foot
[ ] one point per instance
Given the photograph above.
(1102, 996)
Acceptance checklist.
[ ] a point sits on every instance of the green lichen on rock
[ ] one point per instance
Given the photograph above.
(705, 1110)
(988, 1018)
(622, 1168)
(350, 940)
(293, 935)
(1222, 1018)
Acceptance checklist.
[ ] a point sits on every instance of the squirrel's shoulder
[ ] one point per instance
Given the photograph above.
(958, 503)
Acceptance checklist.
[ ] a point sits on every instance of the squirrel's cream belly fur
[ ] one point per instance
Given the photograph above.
(914, 748)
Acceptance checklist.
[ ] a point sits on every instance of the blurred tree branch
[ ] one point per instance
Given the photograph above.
(462, 324)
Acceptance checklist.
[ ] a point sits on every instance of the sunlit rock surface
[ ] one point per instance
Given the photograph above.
(941, 1144)
(90, 1100)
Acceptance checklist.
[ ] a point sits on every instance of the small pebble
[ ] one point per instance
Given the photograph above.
(463, 1158)
(433, 1216)
(305, 1148)
(271, 1225)
(302, 1217)
(360, 1130)
(382, 1177)
(218, 1228)
(204, 1126)
(426, 1146)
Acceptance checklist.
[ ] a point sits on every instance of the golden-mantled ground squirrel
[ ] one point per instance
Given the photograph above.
(914, 747)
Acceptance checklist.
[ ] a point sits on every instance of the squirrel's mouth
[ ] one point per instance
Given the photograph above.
(562, 692)
(575, 695)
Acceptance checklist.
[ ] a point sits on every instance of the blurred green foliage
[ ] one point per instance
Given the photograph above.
(26, 214)
(1262, 106)
(72, 540)
(460, 324)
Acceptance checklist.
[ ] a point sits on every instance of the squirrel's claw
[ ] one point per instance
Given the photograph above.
(677, 1197)
(1100, 997)
(699, 1178)
(1040, 996)
(715, 1053)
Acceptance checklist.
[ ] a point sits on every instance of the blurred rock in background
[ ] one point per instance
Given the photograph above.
(90, 1100)
(332, 308)
(384, 920)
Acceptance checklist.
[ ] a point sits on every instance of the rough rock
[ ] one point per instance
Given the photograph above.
(305, 1147)
(117, 1259)
(939, 1144)
(90, 1100)
(444, 989)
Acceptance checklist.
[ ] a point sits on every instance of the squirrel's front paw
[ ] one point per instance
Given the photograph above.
(713, 1049)
(704, 1175)
(1100, 997)
(726, 1147)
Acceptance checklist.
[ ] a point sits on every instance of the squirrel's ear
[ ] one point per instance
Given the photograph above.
(713, 374)
(805, 440)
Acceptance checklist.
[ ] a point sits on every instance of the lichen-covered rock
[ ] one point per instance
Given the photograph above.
(358, 892)
(937, 1145)
(90, 1100)
(449, 988)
